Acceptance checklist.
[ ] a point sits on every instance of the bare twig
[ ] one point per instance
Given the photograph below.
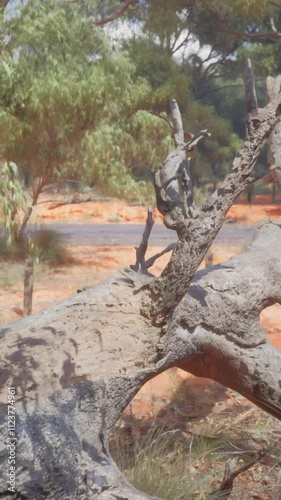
(150, 262)
(192, 144)
(163, 118)
(140, 264)
(231, 474)
(255, 178)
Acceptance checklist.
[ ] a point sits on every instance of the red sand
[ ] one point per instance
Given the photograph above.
(51, 208)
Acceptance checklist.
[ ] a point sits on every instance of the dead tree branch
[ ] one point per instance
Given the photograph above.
(238, 341)
(197, 228)
(153, 259)
(274, 145)
(177, 123)
(77, 365)
(250, 90)
(140, 264)
(231, 473)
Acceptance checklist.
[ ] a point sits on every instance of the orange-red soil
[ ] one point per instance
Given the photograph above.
(51, 209)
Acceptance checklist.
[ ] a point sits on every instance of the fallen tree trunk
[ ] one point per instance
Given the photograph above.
(76, 366)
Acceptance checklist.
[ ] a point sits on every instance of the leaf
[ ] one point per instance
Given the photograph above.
(8, 71)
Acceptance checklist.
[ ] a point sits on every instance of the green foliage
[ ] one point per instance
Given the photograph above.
(71, 107)
(166, 77)
(105, 165)
(14, 209)
(236, 27)
(213, 157)
(265, 58)
(164, 22)
(113, 152)
(67, 103)
(216, 154)
(170, 78)
(56, 90)
(13, 201)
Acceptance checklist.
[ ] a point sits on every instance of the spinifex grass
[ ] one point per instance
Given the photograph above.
(162, 465)
(188, 461)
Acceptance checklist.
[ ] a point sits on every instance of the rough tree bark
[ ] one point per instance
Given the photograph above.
(274, 143)
(77, 365)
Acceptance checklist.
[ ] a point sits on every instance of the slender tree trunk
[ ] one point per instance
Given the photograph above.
(28, 285)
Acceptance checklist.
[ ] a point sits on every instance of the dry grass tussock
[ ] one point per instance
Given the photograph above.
(185, 451)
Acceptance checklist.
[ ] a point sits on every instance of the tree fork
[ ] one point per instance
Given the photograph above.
(197, 229)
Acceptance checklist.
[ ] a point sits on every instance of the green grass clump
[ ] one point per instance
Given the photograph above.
(175, 455)
(161, 464)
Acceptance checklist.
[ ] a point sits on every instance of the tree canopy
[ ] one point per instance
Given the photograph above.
(74, 104)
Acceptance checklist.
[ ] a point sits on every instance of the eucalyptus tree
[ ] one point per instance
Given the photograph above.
(68, 104)
(68, 109)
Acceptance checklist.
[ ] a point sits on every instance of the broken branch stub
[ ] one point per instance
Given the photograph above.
(250, 90)
(177, 123)
(173, 185)
(274, 143)
(140, 264)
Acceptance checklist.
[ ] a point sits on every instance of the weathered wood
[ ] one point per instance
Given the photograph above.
(198, 229)
(77, 365)
(274, 143)
(250, 90)
(142, 248)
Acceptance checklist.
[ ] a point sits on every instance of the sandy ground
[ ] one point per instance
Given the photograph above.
(53, 209)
